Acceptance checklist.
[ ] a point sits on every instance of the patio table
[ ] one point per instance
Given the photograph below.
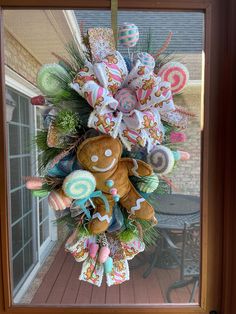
(172, 211)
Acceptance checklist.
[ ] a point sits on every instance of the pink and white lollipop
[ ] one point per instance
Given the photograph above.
(177, 74)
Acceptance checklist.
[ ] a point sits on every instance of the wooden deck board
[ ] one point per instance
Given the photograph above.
(62, 286)
(44, 290)
(73, 285)
(61, 282)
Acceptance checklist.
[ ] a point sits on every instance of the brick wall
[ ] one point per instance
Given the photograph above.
(186, 175)
(19, 59)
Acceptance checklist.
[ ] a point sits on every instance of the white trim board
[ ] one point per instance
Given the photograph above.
(14, 80)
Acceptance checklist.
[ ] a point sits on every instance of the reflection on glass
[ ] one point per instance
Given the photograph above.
(147, 115)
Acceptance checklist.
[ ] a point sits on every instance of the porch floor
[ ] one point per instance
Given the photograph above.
(61, 285)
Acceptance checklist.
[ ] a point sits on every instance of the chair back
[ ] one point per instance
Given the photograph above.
(190, 253)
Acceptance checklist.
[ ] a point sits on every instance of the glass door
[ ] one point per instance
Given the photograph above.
(22, 205)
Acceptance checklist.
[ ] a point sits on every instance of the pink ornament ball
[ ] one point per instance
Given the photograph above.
(58, 200)
(93, 249)
(127, 100)
(103, 254)
(177, 137)
(184, 155)
(177, 74)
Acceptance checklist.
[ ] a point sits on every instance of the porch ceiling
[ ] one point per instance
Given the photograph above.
(42, 32)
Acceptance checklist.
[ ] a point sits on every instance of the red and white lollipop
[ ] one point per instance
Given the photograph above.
(177, 74)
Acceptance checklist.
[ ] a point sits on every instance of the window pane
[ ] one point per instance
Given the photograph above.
(43, 210)
(27, 200)
(16, 111)
(18, 269)
(15, 172)
(14, 139)
(44, 231)
(26, 166)
(26, 145)
(24, 110)
(27, 227)
(17, 237)
(16, 206)
(28, 255)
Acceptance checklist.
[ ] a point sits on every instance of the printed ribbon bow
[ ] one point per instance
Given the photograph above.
(82, 203)
(126, 105)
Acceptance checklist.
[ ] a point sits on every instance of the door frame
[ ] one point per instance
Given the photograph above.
(213, 166)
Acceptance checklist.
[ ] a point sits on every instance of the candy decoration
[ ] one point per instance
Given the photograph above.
(58, 200)
(148, 184)
(79, 184)
(93, 249)
(146, 59)
(180, 155)
(108, 265)
(62, 165)
(177, 137)
(47, 81)
(184, 155)
(127, 100)
(34, 183)
(176, 155)
(103, 254)
(161, 159)
(177, 74)
(40, 193)
(109, 183)
(128, 35)
(164, 46)
(113, 191)
(38, 101)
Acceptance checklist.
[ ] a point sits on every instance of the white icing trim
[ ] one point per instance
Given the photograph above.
(105, 169)
(101, 218)
(135, 168)
(137, 206)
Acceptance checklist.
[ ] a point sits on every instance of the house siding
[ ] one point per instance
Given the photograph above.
(19, 59)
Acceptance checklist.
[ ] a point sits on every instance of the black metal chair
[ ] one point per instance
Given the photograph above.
(187, 256)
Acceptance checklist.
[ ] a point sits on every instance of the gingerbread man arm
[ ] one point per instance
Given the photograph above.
(136, 167)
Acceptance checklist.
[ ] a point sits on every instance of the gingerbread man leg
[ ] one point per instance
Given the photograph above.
(137, 206)
(101, 218)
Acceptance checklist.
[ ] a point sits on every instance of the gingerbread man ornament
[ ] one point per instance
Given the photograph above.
(101, 156)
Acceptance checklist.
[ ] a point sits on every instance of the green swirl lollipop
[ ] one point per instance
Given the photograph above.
(50, 79)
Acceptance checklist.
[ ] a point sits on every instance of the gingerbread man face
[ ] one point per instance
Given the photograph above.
(100, 153)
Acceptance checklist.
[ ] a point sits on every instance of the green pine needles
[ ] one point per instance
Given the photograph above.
(67, 121)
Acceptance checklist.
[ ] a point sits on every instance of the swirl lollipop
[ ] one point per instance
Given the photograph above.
(79, 184)
(177, 74)
(47, 79)
(161, 159)
(128, 35)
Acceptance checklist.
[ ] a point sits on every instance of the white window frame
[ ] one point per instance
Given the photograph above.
(17, 82)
